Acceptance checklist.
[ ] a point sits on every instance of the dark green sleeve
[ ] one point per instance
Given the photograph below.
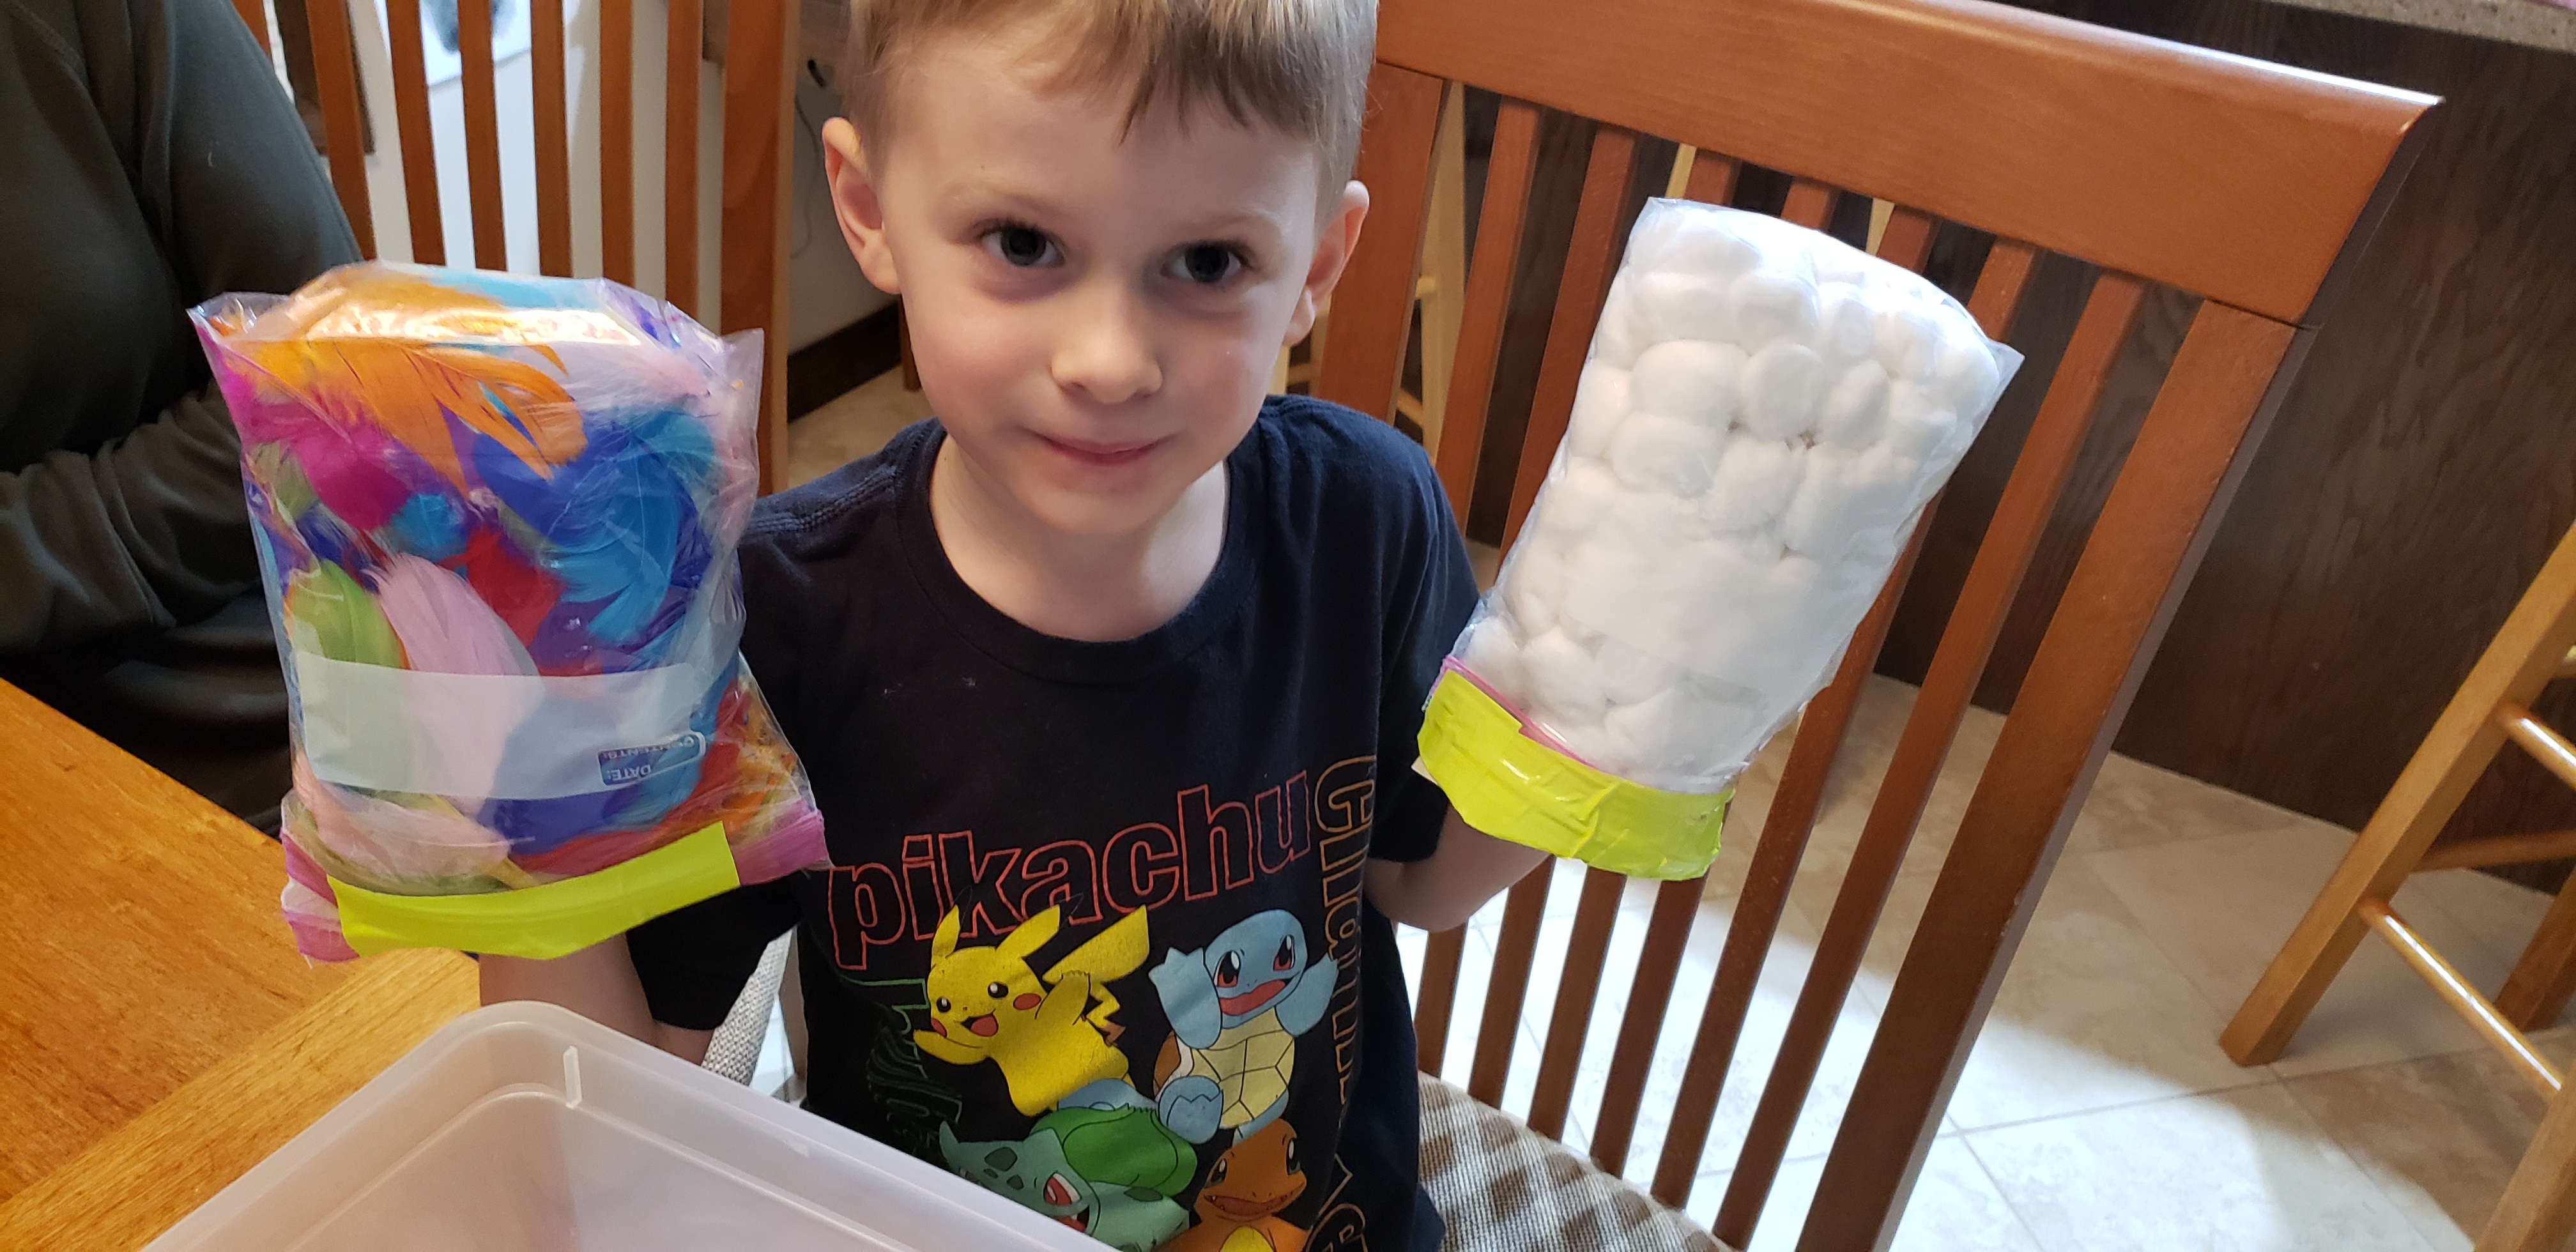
(150, 530)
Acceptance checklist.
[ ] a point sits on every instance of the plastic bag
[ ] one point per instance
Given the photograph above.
(496, 519)
(1763, 416)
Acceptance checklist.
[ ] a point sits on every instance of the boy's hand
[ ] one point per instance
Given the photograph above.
(1441, 891)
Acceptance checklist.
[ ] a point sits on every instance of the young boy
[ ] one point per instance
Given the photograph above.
(1108, 680)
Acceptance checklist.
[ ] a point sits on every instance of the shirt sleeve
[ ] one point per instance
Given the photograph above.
(694, 962)
(1433, 592)
(151, 531)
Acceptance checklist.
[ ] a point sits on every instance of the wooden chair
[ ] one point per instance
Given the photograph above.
(760, 51)
(2493, 707)
(2245, 184)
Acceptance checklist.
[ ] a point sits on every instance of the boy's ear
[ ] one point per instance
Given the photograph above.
(1333, 244)
(855, 203)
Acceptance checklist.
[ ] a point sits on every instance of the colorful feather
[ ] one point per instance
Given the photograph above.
(328, 613)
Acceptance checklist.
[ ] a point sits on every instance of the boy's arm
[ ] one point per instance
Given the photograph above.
(1441, 891)
(598, 982)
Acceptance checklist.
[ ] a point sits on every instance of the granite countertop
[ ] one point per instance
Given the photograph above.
(2532, 23)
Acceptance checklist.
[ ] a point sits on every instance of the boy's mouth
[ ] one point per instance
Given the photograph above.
(1099, 455)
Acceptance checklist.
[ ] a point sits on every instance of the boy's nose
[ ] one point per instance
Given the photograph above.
(1106, 352)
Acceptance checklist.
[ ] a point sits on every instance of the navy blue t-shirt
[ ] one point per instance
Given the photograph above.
(1093, 933)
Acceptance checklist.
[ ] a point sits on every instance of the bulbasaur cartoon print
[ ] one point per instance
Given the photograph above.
(1050, 1033)
(1236, 1010)
(1109, 1173)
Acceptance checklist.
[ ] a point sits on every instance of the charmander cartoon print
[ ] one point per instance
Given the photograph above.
(1238, 1206)
(987, 1004)
(1109, 1173)
(1236, 1009)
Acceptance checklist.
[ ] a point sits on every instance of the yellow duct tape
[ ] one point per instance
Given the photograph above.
(1513, 787)
(556, 919)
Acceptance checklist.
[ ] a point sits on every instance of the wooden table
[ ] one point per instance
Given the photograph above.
(159, 1034)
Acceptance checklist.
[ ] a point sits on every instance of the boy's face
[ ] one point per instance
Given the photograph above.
(1095, 310)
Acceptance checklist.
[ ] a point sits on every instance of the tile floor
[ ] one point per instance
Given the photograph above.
(2096, 1112)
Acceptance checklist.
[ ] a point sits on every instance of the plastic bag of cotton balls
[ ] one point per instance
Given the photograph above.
(1764, 415)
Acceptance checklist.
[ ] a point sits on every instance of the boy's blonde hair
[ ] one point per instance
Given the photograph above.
(1298, 66)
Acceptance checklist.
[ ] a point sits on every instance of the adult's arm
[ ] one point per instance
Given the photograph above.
(151, 531)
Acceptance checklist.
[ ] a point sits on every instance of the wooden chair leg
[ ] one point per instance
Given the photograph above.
(2545, 978)
(2538, 1211)
(2525, 655)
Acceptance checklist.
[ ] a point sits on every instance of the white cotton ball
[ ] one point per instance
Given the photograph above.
(1600, 400)
(1854, 413)
(1846, 325)
(1687, 740)
(1630, 673)
(1842, 263)
(1649, 523)
(1563, 685)
(1844, 494)
(1783, 385)
(1672, 304)
(1964, 377)
(1615, 337)
(1782, 245)
(1616, 587)
(1651, 452)
(1691, 239)
(1772, 304)
(1917, 425)
(1595, 746)
(1534, 583)
(1692, 379)
(1755, 479)
(1491, 652)
(1909, 342)
(1575, 499)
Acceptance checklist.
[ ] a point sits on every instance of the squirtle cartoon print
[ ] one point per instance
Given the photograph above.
(1238, 1206)
(1109, 1173)
(1045, 1031)
(1236, 1009)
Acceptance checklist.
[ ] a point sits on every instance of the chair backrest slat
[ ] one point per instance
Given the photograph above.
(2225, 381)
(1907, 241)
(1524, 909)
(554, 157)
(335, 81)
(1373, 303)
(1488, 302)
(482, 136)
(411, 124)
(685, 37)
(1442, 955)
(616, 140)
(1641, 1023)
(1591, 256)
(1998, 293)
(1810, 204)
(1712, 178)
(2012, 538)
(1578, 986)
(254, 14)
(759, 105)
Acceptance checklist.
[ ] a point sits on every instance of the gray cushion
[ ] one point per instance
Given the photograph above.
(1501, 1185)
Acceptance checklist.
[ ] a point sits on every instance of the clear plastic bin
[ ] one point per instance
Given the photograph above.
(523, 1126)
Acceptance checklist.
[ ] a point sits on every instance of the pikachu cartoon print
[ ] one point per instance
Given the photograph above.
(1049, 1033)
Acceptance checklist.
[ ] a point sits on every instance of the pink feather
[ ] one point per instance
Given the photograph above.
(445, 628)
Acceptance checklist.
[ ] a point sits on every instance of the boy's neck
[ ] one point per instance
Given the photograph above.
(1087, 587)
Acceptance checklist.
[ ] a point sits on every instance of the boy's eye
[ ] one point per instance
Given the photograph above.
(1023, 246)
(1207, 264)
